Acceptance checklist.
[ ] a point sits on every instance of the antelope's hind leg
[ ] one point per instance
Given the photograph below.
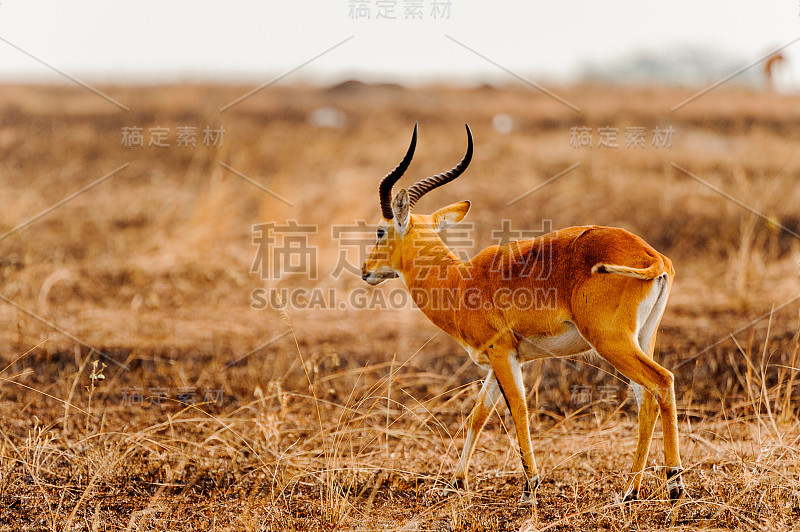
(648, 414)
(631, 361)
(649, 405)
(646, 401)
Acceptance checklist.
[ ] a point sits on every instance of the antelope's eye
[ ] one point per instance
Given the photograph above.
(381, 232)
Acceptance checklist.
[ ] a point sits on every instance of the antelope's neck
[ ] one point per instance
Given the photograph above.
(434, 277)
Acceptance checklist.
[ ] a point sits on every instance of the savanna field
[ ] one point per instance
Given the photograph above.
(166, 365)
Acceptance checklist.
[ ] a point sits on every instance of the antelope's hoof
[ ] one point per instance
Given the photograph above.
(675, 484)
(528, 489)
(455, 485)
(630, 496)
(526, 499)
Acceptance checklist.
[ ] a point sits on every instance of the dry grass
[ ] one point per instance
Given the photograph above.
(352, 419)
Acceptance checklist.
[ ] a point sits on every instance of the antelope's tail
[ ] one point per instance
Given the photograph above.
(651, 272)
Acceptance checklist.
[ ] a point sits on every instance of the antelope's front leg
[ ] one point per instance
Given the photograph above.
(487, 399)
(508, 372)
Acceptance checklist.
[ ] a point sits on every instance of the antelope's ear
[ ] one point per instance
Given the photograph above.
(450, 215)
(401, 211)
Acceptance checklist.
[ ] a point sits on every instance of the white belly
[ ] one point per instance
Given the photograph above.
(565, 344)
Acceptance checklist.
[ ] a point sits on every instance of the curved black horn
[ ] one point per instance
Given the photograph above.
(423, 186)
(388, 181)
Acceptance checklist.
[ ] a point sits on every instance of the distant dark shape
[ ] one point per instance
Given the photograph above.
(773, 62)
(354, 87)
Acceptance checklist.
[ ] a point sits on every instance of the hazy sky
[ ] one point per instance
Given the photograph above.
(255, 41)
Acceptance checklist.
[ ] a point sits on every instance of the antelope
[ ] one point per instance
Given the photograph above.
(769, 67)
(602, 289)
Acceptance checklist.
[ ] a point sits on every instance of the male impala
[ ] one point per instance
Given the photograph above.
(588, 288)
